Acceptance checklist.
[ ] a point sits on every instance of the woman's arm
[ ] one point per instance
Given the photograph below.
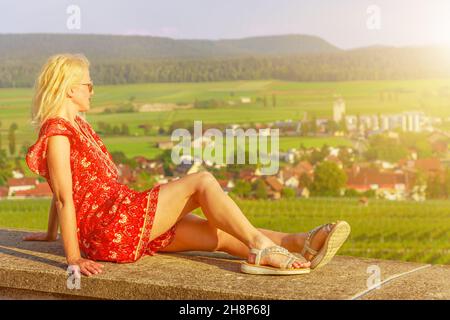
(58, 162)
(52, 229)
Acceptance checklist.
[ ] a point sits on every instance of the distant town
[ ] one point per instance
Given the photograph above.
(393, 156)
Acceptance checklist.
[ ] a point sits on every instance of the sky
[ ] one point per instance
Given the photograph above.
(344, 23)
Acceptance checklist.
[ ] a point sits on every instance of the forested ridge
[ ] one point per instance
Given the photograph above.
(137, 59)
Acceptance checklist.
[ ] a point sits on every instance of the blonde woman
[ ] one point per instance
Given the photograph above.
(103, 220)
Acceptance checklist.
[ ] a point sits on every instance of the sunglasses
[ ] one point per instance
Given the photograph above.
(90, 86)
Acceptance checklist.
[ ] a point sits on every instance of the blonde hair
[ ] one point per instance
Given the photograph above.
(57, 75)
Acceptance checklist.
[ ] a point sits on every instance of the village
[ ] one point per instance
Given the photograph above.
(347, 171)
(384, 180)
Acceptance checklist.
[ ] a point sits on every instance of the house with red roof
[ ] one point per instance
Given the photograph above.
(303, 167)
(393, 185)
(440, 147)
(21, 184)
(275, 187)
(41, 190)
(430, 166)
(248, 175)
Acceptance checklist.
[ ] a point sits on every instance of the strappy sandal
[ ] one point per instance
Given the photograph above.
(337, 234)
(284, 269)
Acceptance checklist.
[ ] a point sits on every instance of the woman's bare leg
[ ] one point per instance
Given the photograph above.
(194, 233)
(178, 198)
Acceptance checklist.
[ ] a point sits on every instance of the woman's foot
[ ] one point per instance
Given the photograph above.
(316, 242)
(274, 259)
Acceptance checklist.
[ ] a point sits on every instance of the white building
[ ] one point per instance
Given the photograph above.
(406, 121)
(338, 110)
(384, 123)
(369, 122)
(412, 121)
(351, 122)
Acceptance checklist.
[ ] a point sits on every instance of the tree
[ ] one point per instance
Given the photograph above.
(242, 188)
(305, 128)
(24, 149)
(144, 181)
(305, 181)
(166, 158)
(260, 189)
(313, 128)
(343, 125)
(434, 187)
(119, 157)
(351, 65)
(288, 193)
(104, 127)
(185, 124)
(418, 142)
(125, 130)
(319, 155)
(384, 148)
(351, 193)
(146, 127)
(345, 156)
(447, 183)
(116, 130)
(5, 168)
(332, 126)
(12, 138)
(329, 179)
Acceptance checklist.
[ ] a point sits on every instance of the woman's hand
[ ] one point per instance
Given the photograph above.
(87, 267)
(39, 236)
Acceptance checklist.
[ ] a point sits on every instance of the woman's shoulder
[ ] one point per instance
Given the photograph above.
(56, 123)
(56, 126)
(36, 154)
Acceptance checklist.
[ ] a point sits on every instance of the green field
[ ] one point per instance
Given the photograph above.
(293, 100)
(146, 146)
(407, 231)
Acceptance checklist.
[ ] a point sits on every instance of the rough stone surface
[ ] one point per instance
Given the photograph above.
(38, 270)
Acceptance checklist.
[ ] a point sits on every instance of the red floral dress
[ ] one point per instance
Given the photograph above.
(114, 221)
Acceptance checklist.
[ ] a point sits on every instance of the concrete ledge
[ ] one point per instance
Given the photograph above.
(37, 270)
